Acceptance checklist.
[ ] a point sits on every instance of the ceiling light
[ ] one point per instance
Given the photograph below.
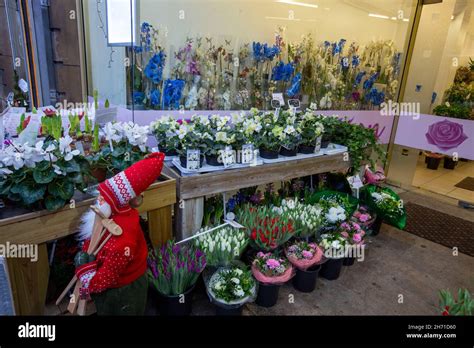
(378, 16)
(296, 3)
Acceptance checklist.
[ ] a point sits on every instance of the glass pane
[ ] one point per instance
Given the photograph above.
(233, 55)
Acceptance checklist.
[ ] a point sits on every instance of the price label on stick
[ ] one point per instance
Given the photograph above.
(193, 159)
(228, 157)
(247, 153)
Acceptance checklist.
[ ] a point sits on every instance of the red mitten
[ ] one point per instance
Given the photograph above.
(85, 273)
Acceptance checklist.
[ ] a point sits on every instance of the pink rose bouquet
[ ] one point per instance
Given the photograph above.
(363, 217)
(352, 232)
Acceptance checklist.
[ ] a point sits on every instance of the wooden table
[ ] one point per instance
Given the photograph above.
(29, 280)
(191, 190)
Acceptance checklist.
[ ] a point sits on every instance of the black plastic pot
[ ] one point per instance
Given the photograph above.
(171, 153)
(376, 226)
(213, 160)
(176, 305)
(306, 149)
(288, 153)
(268, 154)
(433, 163)
(348, 261)
(449, 163)
(229, 312)
(331, 269)
(305, 281)
(183, 160)
(267, 294)
(325, 141)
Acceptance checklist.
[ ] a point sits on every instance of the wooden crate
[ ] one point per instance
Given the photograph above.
(29, 280)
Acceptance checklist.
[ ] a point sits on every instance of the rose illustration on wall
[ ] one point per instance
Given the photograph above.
(446, 134)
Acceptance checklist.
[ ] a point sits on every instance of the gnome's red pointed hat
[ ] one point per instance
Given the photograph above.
(130, 183)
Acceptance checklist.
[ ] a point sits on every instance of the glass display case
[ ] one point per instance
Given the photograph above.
(235, 55)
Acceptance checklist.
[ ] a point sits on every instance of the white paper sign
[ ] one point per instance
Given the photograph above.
(279, 97)
(193, 159)
(317, 148)
(247, 154)
(30, 133)
(228, 157)
(23, 85)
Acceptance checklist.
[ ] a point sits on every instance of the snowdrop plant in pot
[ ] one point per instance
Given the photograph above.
(271, 270)
(166, 132)
(230, 288)
(173, 270)
(306, 258)
(334, 245)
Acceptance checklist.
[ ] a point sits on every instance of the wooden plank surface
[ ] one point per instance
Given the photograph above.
(160, 225)
(43, 226)
(228, 180)
(29, 282)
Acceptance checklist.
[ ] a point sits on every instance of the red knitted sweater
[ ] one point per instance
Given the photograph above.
(122, 259)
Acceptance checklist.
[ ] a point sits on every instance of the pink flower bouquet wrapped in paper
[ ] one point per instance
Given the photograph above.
(304, 255)
(269, 268)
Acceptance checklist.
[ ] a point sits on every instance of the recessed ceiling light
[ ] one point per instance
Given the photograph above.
(378, 16)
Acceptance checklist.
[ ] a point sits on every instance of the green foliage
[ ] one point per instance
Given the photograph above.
(95, 140)
(52, 125)
(453, 110)
(463, 305)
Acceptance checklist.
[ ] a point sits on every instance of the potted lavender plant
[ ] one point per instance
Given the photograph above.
(173, 270)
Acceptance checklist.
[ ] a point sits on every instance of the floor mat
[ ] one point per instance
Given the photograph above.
(440, 228)
(466, 183)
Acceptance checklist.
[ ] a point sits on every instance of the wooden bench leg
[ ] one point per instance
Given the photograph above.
(29, 282)
(160, 225)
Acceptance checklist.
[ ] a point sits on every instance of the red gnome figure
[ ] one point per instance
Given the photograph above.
(116, 278)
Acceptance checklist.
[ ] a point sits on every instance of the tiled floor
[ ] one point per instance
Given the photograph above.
(442, 180)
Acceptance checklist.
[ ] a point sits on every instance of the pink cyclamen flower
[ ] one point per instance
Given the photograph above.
(357, 238)
(356, 226)
(345, 234)
(364, 217)
(312, 245)
(272, 263)
(307, 254)
(260, 254)
(357, 214)
(345, 226)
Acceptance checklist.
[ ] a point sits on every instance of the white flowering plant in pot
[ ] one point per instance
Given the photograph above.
(232, 286)
(271, 132)
(125, 144)
(334, 245)
(194, 135)
(222, 246)
(42, 176)
(290, 137)
(222, 135)
(166, 132)
(310, 128)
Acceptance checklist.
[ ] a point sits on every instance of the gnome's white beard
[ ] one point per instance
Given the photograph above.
(88, 219)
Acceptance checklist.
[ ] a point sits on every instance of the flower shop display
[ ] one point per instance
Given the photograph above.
(306, 258)
(365, 218)
(387, 204)
(230, 288)
(307, 218)
(271, 271)
(334, 245)
(450, 305)
(42, 176)
(166, 131)
(173, 270)
(266, 228)
(222, 246)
